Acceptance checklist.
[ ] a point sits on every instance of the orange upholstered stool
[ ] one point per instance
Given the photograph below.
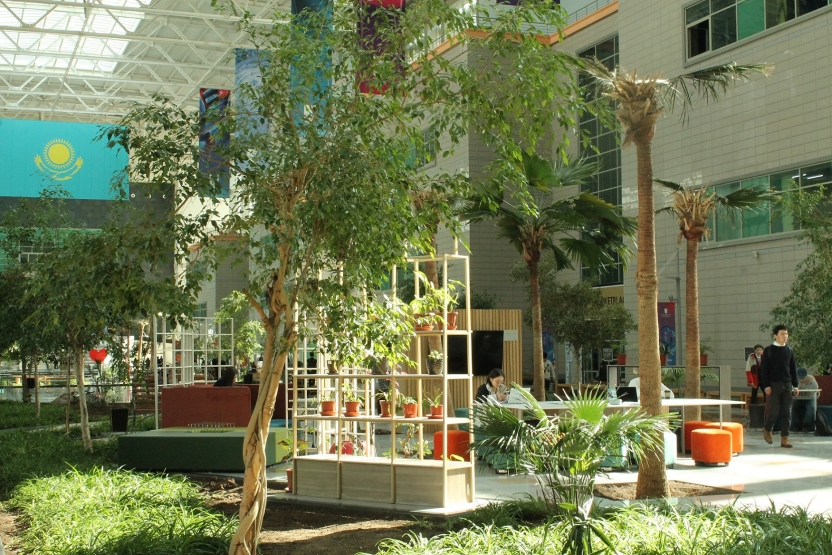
(458, 444)
(710, 446)
(689, 427)
(737, 438)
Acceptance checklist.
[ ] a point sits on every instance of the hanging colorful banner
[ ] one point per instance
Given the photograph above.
(378, 19)
(36, 154)
(212, 106)
(667, 331)
(247, 64)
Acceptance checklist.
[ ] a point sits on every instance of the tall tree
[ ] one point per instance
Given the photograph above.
(638, 102)
(588, 230)
(807, 309)
(692, 207)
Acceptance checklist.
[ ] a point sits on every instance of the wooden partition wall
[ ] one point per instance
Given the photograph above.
(508, 321)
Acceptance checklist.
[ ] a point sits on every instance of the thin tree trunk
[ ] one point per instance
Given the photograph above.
(652, 476)
(66, 367)
(78, 356)
(27, 395)
(693, 372)
(253, 503)
(37, 385)
(539, 384)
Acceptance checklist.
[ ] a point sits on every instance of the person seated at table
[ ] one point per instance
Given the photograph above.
(667, 393)
(228, 378)
(494, 385)
(804, 406)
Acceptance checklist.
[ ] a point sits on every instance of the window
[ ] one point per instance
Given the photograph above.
(425, 154)
(771, 217)
(603, 149)
(201, 310)
(713, 24)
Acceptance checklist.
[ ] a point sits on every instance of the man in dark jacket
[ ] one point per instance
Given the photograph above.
(778, 378)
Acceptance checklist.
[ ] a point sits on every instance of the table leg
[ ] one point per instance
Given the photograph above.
(683, 430)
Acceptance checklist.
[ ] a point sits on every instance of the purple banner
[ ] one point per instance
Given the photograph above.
(667, 331)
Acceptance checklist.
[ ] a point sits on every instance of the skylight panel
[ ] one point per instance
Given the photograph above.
(72, 16)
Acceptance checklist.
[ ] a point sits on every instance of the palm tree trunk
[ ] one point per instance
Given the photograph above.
(693, 372)
(652, 476)
(538, 390)
(78, 355)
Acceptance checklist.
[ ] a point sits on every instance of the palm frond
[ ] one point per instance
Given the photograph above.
(672, 185)
(708, 84)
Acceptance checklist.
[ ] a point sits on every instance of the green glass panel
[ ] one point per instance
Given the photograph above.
(813, 176)
(724, 28)
(783, 182)
(756, 221)
(697, 11)
(779, 11)
(717, 5)
(727, 228)
(751, 18)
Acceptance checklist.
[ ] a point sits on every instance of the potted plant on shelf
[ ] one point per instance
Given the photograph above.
(704, 349)
(352, 402)
(384, 402)
(436, 406)
(327, 403)
(621, 348)
(302, 446)
(664, 350)
(435, 359)
(437, 300)
(410, 408)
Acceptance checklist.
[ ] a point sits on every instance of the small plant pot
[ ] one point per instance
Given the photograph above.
(621, 359)
(410, 410)
(352, 408)
(423, 322)
(327, 408)
(452, 317)
(385, 409)
(289, 473)
(663, 359)
(435, 367)
(330, 367)
(703, 360)
(437, 411)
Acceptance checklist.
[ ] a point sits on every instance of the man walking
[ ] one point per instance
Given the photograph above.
(778, 378)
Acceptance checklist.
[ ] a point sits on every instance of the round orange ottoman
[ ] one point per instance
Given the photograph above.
(689, 427)
(458, 444)
(737, 437)
(710, 446)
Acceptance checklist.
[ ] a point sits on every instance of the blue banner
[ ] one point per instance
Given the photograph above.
(35, 154)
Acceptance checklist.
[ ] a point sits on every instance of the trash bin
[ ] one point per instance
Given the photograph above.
(118, 419)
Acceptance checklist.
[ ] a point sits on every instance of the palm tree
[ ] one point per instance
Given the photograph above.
(592, 230)
(565, 453)
(692, 208)
(638, 102)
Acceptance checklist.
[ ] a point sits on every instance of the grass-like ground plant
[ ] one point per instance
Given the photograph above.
(26, 454)
(117, 512)
(14, 414)
(656, 529)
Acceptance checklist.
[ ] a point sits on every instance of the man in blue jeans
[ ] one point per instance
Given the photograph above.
(778, 378)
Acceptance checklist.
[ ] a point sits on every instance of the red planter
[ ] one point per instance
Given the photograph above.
(437, 411)
(327, 408)
(385, 409)
(289, 472)
(703, 360)
(352, 408)
(410, 410)
(621, 359)
(663, 359)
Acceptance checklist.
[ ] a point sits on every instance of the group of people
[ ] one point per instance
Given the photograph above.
(773, 369)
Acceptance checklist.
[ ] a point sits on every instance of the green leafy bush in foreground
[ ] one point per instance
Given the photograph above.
(117, 512)
(639, 530)
(32, 453)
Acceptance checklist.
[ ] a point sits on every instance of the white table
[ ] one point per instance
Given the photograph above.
(682, 403)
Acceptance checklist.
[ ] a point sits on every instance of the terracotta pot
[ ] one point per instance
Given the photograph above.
(663, 359)
(385, 408)
(423, 322)
(621, 359)
(353, 408)
(436, 411)
(289, 473)
(327, 408)
(410, 410)
(452, 316)
(703, 360)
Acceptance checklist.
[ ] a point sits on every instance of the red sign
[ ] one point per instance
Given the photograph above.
(98, 355)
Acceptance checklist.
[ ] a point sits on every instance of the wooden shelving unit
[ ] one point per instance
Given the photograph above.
(328, 470)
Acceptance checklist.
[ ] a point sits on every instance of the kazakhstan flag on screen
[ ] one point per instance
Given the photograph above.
(35, 154)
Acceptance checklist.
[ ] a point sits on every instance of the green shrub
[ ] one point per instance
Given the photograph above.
(14, 414)
(117, 512)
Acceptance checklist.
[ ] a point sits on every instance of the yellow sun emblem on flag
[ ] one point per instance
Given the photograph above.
(59, 161)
